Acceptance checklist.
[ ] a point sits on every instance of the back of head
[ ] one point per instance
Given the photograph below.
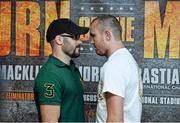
(109, 22)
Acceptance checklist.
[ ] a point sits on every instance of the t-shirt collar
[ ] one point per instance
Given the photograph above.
(116, 52)
(58, 62)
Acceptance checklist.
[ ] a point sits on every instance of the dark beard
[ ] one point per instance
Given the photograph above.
(74, 54)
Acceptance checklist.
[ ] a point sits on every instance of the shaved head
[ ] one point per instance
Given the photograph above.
(109, 22)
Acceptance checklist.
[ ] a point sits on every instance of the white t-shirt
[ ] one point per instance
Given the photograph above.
(120, 76)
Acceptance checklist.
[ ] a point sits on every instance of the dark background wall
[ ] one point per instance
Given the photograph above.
(151, 32)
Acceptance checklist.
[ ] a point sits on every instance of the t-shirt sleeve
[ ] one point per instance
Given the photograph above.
(114, 80)
(48, 89)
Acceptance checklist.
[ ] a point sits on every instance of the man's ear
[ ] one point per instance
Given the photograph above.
(59, 40)
(108, 35)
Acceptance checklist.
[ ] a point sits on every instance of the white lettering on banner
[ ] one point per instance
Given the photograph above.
(95, 73)
(169, 101)
(19, 72)
(10, 74)
(150, 100)
(90, 97)
(161, 100)
(25, 73)
(90, 73)
(86, 73)
(158, 87)
(160, 76)
(153, 78)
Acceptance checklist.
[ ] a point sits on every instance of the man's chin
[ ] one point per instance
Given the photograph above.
(76, 54)
(98, 53)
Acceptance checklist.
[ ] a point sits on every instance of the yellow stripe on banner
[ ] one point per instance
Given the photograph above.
(27, 96)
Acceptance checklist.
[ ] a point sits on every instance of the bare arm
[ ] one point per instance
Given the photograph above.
(114, 107)
(50, 113)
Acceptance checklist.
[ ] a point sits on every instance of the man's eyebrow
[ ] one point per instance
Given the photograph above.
(91, 34)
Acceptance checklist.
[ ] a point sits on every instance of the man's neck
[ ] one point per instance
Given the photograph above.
(113, 48)
(64, 58)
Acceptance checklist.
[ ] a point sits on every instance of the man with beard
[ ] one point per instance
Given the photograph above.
(58, 88)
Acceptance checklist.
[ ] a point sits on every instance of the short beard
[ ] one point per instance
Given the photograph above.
(73, 54)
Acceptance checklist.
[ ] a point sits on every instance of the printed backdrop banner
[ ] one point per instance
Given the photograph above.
(151, 32)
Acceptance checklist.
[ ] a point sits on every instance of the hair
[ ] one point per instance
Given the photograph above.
(111, 23)
(52, 43)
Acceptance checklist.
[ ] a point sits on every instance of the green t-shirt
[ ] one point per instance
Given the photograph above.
(60, 84)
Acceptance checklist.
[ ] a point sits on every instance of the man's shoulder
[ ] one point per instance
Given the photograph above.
(47, 72)
(49, 67)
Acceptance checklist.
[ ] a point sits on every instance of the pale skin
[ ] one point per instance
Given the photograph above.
(106, 44)
(51, 113)
(114, 114)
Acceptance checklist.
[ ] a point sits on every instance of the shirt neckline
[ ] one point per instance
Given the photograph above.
(116, 52)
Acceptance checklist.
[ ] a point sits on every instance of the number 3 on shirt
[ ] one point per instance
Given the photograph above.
(49, 93)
